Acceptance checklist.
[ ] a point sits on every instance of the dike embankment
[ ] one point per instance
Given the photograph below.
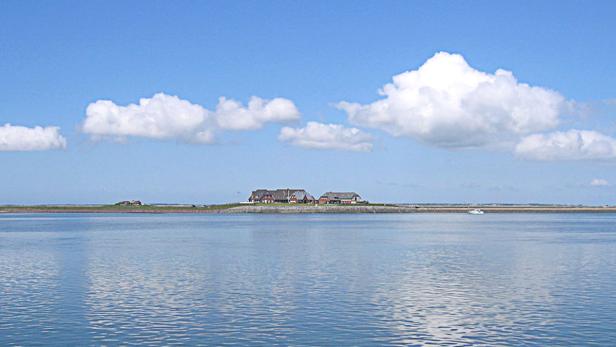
(413, 209)
(300, 209)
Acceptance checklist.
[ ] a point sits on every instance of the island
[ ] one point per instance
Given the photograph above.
(296, 201)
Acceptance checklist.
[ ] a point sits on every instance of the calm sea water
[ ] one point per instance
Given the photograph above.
(425, 279)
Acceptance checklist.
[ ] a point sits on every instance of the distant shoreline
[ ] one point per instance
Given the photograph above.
(301, 209)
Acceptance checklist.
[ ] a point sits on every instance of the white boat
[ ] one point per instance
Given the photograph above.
(475, 211)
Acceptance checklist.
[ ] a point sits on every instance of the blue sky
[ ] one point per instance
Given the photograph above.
(547, 136)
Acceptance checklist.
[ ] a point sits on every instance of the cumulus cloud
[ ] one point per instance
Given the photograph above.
(447, 103)
(230, 114)
(567, 145)
(160, 117)
(169, 117)
(599, 182)
(19, 138)
(327, 136)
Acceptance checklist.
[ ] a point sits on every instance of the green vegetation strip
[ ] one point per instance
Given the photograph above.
(113, 208)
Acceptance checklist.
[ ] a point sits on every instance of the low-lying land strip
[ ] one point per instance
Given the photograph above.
(301, 208)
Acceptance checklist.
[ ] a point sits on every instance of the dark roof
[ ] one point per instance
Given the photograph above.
(278, 194)
(258, 194)
(340, 195)
(302, 194)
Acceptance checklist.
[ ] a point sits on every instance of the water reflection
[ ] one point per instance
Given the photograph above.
(28, 290)
(307, 280)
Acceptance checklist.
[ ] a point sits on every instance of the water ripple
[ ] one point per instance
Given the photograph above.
(432, 280)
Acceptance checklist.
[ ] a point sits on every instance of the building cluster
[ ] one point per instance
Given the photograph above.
(301, 196)
(129, 203)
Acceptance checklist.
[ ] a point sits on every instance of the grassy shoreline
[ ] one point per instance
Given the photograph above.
(297, 209)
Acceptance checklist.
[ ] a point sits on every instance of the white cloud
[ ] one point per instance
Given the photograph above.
(327, 136)
(160, 117)
(169, 117)
(230, 114)
(448, 103)
(19, 138)
(599, 182)
(568, 145)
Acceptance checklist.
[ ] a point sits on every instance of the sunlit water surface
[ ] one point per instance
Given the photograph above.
(424, 279)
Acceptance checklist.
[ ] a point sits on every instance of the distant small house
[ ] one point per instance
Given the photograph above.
(281, 196)
(344, 198)
(129, 203)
